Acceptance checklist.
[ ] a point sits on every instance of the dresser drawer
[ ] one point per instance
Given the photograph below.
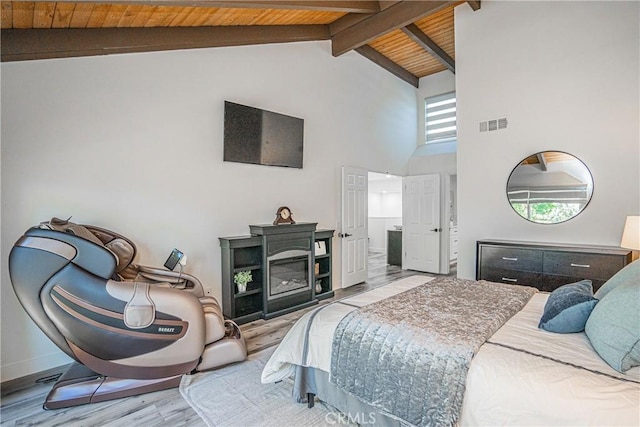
(512, 277)
(553, 282)
(581, 265)
(520, 259)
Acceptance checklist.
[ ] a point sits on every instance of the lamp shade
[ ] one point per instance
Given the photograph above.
(631, 233)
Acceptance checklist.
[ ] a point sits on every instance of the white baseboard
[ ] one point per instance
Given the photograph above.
(31, 366)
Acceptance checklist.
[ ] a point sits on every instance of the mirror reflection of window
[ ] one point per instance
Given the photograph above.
(549, 187)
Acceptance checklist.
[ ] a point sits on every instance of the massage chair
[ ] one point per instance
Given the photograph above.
(130, 329)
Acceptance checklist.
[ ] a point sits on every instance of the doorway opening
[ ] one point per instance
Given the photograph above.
(384, 223)
(380, 250)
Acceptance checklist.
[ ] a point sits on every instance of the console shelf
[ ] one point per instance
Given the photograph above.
(324, 265)
(247, 293)
(249, 267)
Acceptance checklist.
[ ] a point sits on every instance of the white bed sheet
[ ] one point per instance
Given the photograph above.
(559, 380)
(521, 376)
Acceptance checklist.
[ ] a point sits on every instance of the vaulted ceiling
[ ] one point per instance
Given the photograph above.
(410, 39)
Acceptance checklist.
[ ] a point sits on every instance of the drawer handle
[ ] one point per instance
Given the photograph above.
(509, 259)
(506, 279)
(580, 265)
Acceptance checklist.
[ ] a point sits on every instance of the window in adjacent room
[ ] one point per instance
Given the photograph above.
(440, 118)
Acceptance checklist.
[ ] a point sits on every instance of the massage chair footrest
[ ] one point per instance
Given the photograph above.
(80, 385)
(228, 350)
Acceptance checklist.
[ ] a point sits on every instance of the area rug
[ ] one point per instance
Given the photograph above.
(234, 397)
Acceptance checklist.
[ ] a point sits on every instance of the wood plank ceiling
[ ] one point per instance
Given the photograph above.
(411, 39)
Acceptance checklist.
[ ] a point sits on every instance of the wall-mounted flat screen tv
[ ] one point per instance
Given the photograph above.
(260, 137)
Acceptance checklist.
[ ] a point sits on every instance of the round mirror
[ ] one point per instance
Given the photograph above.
(549, 187)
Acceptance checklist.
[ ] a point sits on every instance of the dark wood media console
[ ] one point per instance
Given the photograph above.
(547, 266)
(271, 253)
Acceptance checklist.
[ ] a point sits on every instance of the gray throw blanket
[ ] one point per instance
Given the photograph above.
(409, 355)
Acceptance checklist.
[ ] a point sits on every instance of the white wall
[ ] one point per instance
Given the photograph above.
(566, 74)
(385, 212)
(385, 205)
(134, 143)
(378, 232)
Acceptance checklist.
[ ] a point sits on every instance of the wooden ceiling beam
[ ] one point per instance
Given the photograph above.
(29, 44)
(475, 5)
(396, 16)
(542, 161)
(347, 6)
(416, 34)
(347, 21)
(378, 58)
(386, 4)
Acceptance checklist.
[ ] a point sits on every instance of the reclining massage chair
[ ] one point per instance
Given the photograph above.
(131, 329)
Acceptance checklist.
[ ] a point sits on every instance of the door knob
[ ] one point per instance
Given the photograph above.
(344, 235)
(436, 229)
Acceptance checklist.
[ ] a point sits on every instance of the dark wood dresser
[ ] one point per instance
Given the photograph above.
(547, 266)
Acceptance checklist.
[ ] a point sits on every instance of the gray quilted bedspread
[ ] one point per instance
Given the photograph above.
(409, 355)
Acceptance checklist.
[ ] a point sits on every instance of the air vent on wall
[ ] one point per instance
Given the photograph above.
(494, 124)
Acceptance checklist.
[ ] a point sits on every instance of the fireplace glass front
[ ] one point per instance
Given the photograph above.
(288, 275)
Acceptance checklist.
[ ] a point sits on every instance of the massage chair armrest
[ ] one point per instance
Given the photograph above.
(181, 281)
(148, 304)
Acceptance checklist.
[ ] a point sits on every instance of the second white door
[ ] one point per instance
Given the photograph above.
(421, 227)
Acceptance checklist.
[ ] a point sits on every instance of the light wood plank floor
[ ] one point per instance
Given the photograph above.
(168, 408)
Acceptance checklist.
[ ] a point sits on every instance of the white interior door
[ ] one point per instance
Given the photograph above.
(354, 234)
(421, 227)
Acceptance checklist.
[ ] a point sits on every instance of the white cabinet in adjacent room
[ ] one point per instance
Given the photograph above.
(453, 244)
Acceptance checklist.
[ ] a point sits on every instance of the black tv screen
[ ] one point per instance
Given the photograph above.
(261, 137)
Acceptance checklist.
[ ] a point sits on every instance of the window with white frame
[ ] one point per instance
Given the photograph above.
(440, 118)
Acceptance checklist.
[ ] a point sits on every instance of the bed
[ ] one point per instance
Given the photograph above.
(519, 375)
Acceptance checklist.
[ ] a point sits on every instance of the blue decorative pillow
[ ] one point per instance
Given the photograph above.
(568, 308)
(614, 326)
(629, 272)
